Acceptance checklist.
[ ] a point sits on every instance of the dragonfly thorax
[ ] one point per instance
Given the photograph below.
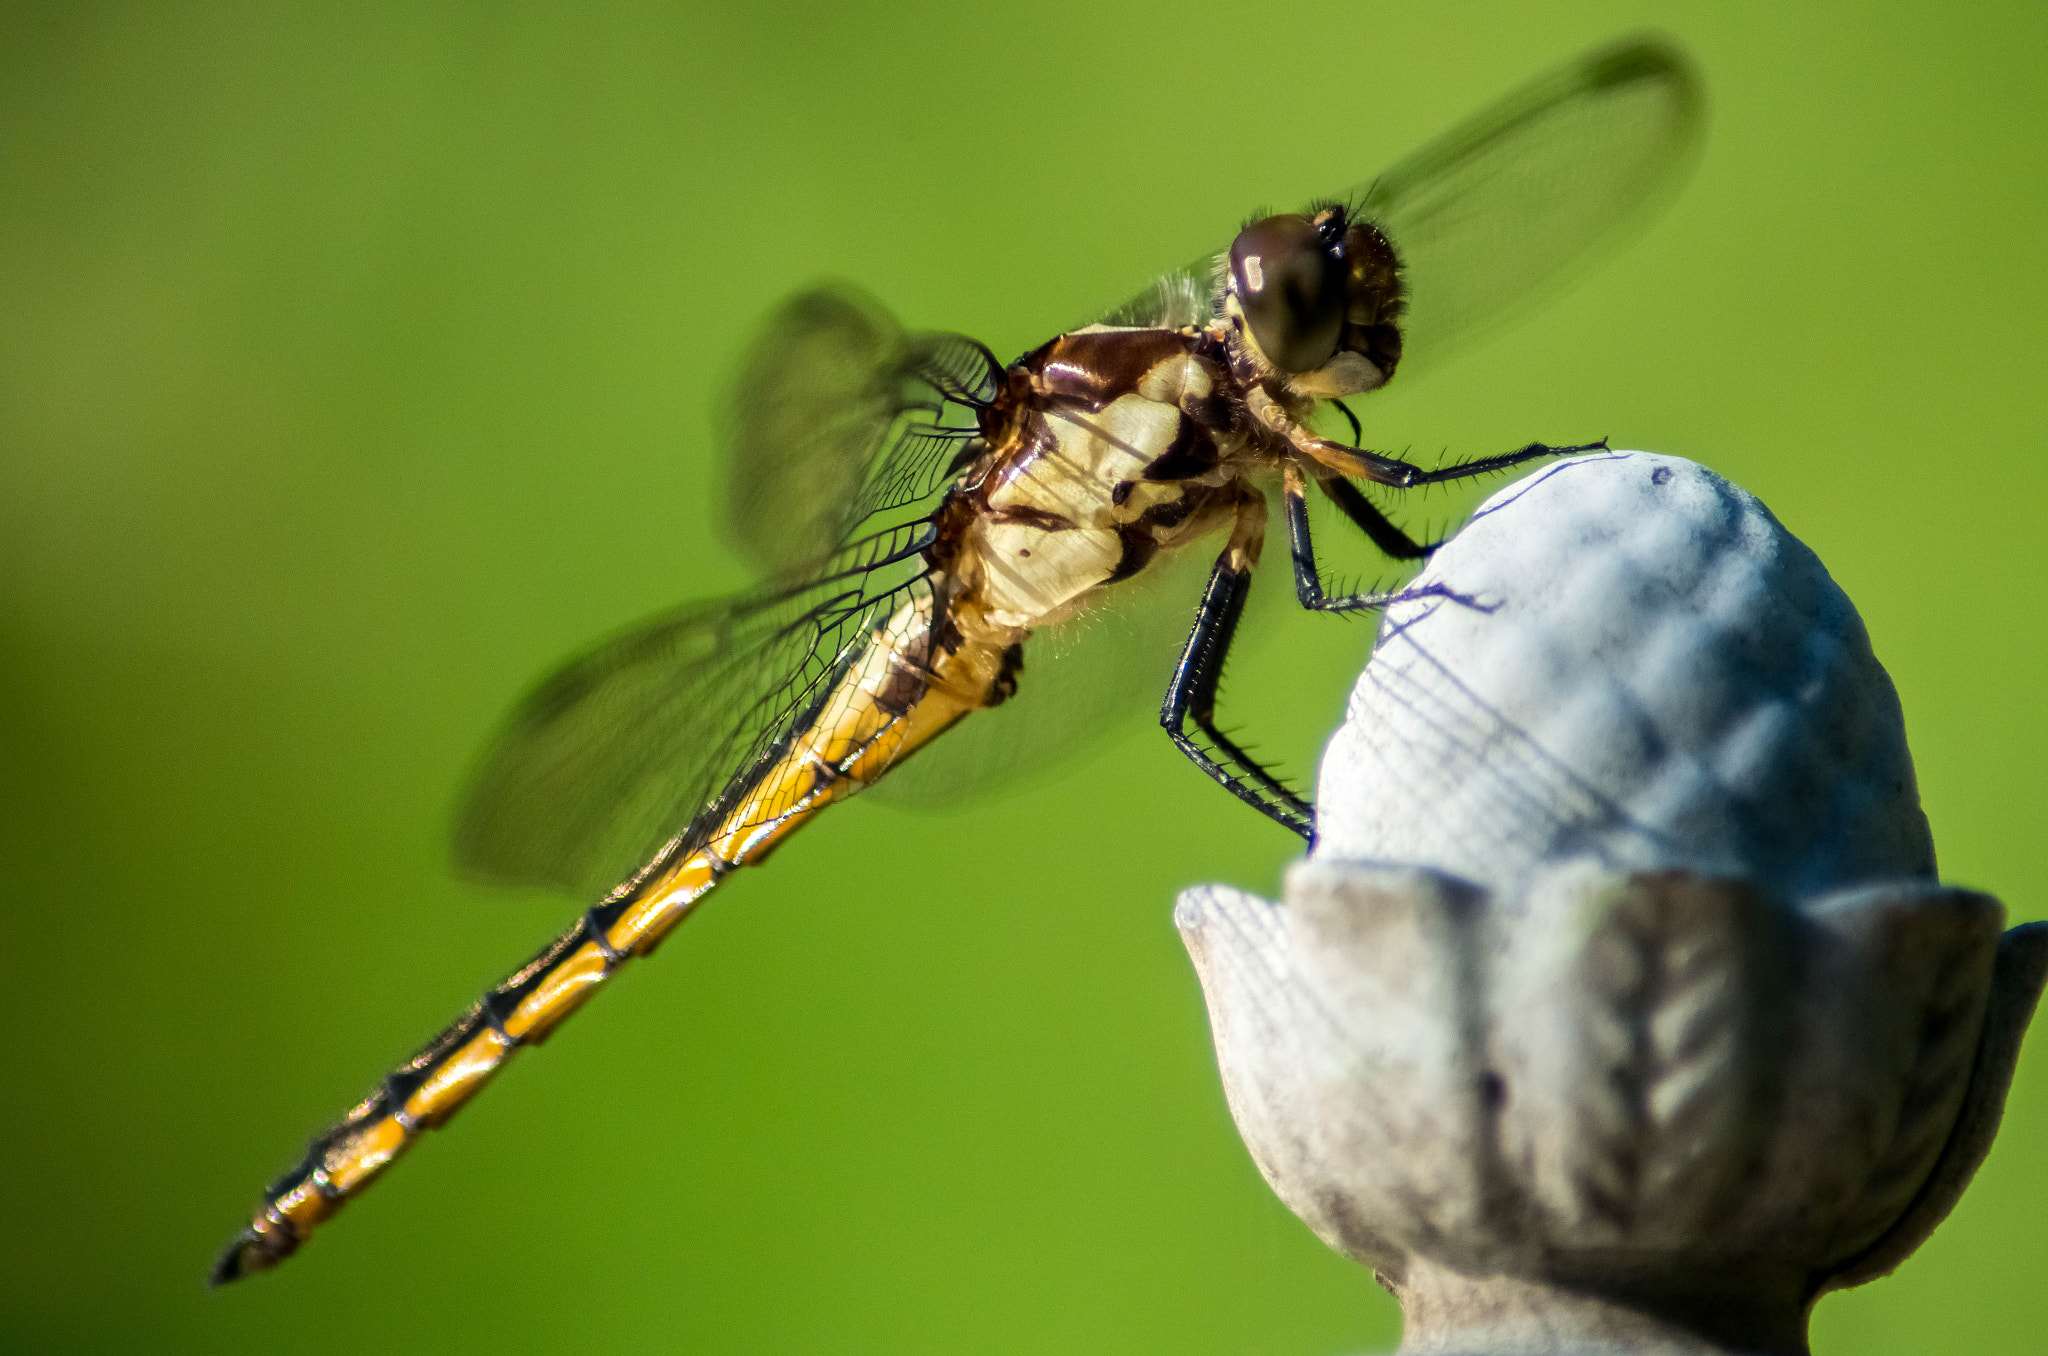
(1117, 445)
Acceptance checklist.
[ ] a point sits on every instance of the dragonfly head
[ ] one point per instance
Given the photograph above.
(1316, 299)
(1287, 276)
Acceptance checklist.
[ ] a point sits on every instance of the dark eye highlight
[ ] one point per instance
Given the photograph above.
(1290, 286)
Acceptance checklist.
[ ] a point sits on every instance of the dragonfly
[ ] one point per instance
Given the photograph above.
(922, 511)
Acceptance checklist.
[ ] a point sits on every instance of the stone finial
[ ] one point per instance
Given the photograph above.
(1618, 1007)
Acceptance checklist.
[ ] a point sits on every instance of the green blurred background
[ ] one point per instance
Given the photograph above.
(358, 362)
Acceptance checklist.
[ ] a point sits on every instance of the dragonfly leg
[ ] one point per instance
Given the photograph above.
(1357, 429)
(1386, 470)
(1308, 578)
(1391, 540)
(1192, 696)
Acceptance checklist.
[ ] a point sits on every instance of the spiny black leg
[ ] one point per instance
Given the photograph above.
(1308, 579)
(1357, 429)
(1193, 694)
(1404, 475)
(1391, 540)
(1482, 465)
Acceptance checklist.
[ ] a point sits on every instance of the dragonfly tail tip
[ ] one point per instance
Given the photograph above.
(250, 1251)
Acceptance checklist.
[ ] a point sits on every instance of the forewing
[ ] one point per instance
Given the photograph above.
(1508, 204)
(639, 743)
(837, 415)
(1177, 300)
(1511, 203)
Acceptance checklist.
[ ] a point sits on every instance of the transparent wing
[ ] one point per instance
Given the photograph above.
(839, 422)
(1514, 201)
(838, 415)
(1507, 205)
(1102, 671)
(1108, 666)
(647, 737)
(1185, 297)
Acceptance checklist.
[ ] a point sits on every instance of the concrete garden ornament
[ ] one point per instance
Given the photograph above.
(1618, 1006)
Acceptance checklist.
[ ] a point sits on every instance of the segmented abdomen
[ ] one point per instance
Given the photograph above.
(886, 702)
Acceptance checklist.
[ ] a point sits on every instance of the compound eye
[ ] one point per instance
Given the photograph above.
(1290, 286)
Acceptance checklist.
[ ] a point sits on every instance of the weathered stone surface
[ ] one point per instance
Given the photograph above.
(1655, 674)
(1618, 1007)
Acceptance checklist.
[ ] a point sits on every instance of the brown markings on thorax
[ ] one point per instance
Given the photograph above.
(1105, 448)
(1078, 375)
(1091, 369)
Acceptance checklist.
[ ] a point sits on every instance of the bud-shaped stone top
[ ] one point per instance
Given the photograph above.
(1619, 1007)
(1651, 673)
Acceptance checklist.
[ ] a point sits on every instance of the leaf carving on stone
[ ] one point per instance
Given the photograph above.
(1662, 1125)
(1934, 953)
